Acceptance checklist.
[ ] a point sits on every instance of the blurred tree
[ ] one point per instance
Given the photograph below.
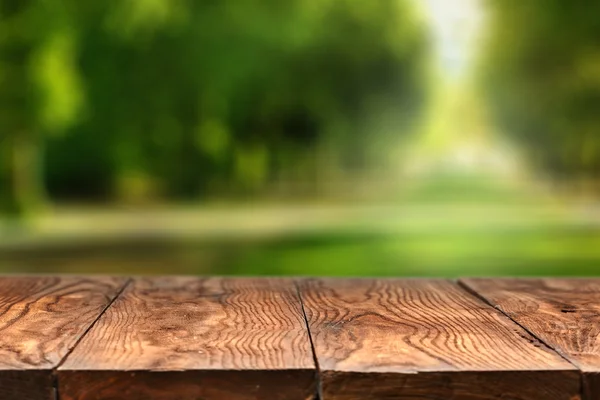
(542, 73)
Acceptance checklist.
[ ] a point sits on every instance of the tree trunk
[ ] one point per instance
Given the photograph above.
(24, 190)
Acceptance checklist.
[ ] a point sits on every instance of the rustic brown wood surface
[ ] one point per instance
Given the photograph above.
(41, 320)
(563, 313)
(186, 338)
(425, 339)
(191, 338)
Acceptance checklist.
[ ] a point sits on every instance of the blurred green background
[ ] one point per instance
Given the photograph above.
(304, 137)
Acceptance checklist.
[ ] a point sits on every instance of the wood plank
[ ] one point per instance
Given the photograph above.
(41, 320)
(425, 339)
(563, 313)
(189, 338)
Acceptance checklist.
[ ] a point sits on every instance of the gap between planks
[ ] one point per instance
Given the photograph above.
(319, 394)
(89, 328)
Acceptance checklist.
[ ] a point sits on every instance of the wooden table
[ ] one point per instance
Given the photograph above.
(190, 338)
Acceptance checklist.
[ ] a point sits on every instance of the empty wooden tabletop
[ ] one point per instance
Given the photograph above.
(192, 338)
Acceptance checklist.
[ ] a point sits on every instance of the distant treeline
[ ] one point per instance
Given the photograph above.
(179, 98)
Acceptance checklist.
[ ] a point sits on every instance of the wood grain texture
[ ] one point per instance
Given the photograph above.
(41, 320)
(190, 338)
(563, 313)
(425, 339)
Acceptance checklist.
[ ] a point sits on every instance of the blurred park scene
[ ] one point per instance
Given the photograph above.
(301, 137)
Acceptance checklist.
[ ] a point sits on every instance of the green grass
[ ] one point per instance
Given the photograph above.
(483, 230)
(530, 252)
